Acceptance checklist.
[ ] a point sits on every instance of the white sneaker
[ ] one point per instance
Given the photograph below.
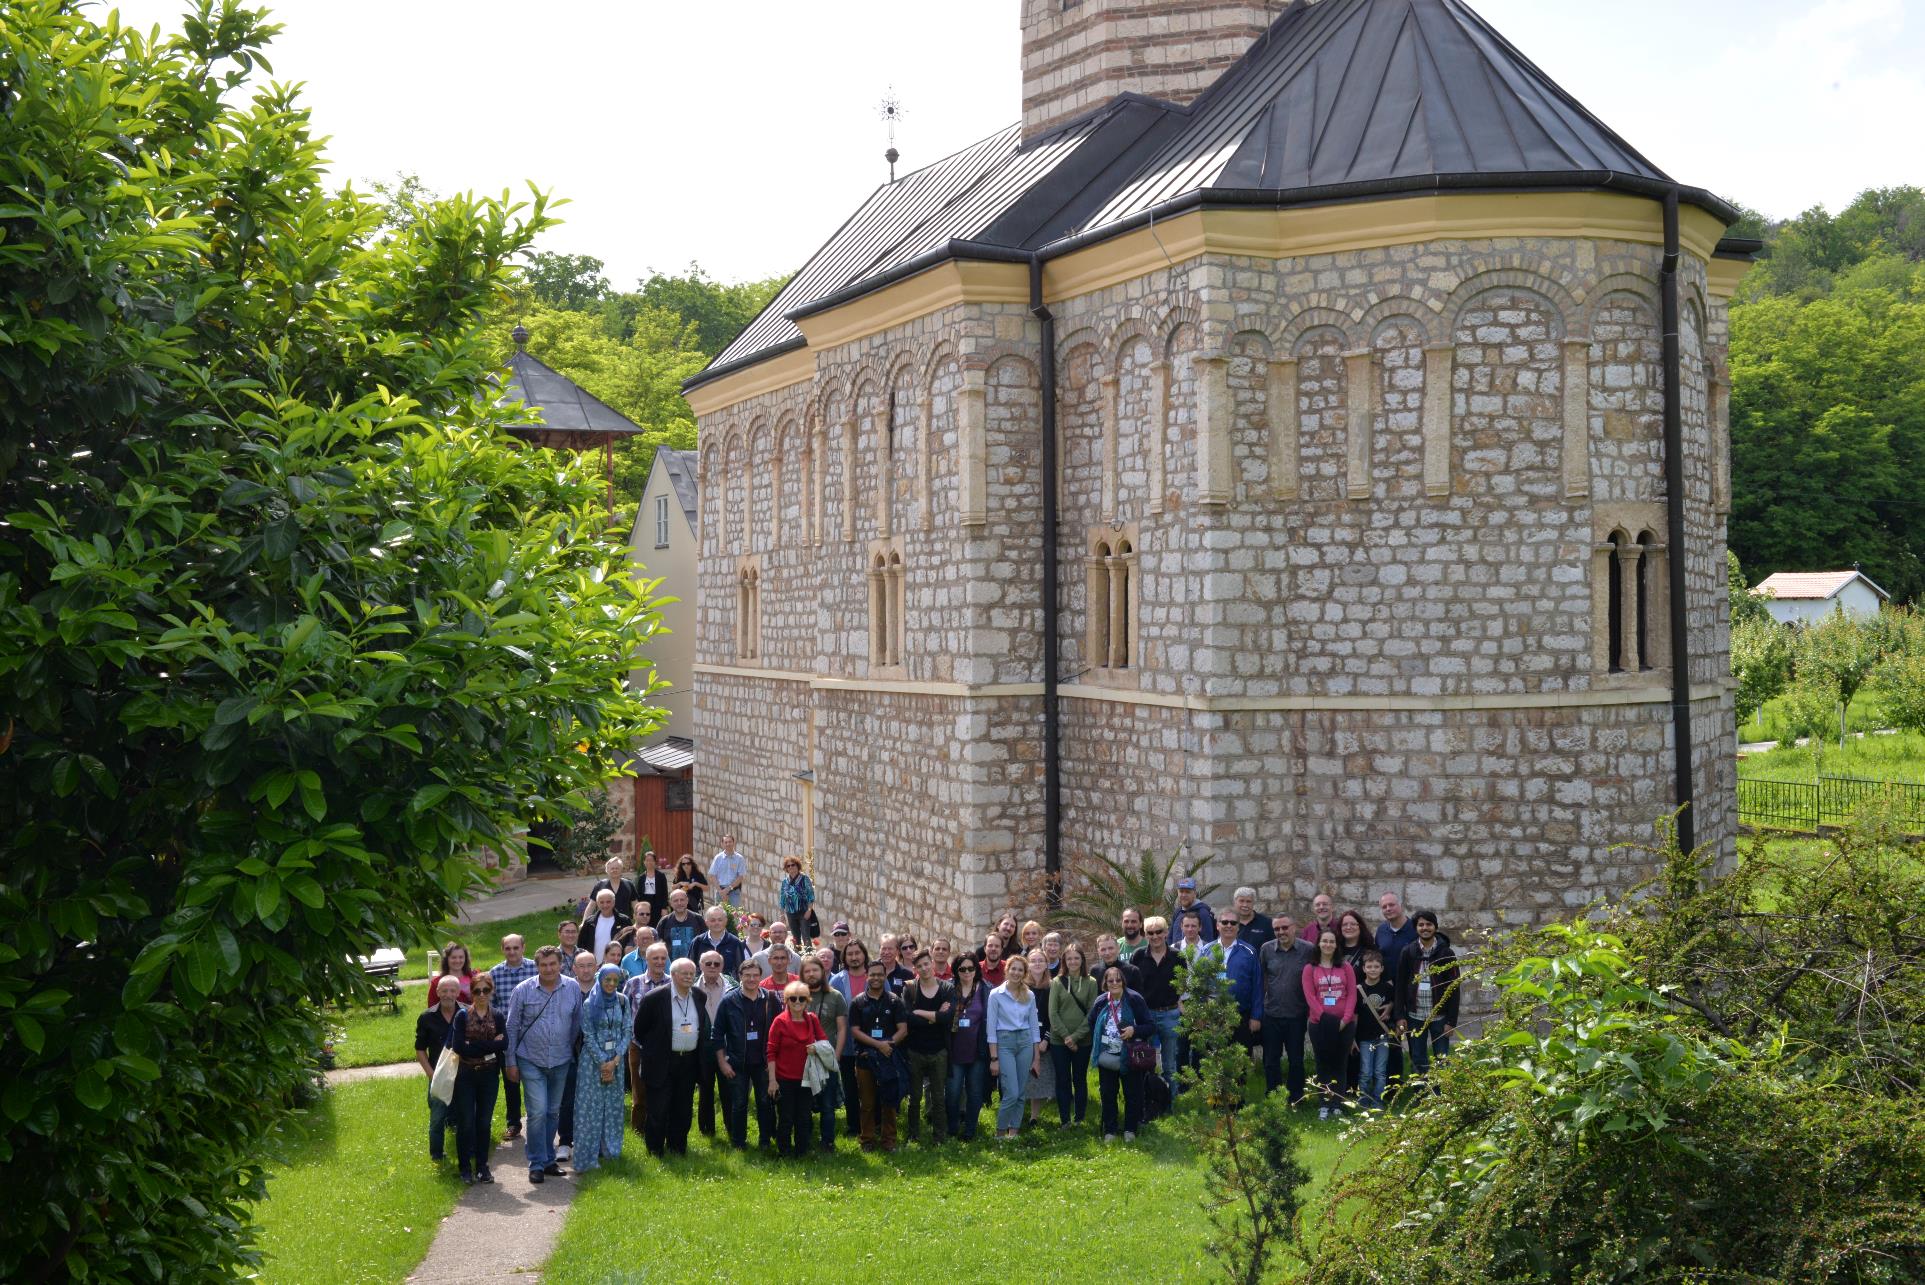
(1129, 1137)
(564, 1153)
(1323, 1113)
(1109, 1137)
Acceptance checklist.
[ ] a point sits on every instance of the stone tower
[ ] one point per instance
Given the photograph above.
(1295, 469)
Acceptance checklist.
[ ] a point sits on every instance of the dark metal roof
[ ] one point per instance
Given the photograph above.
(680, 466)
(565, 406)
(670, 755)
(1340, 100)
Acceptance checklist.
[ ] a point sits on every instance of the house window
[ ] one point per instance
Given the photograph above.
(661, 522)
(1112, 593)
(885, 605)
(678, 795)
(748, 609)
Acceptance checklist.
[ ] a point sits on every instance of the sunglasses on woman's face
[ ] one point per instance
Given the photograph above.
(796, 999)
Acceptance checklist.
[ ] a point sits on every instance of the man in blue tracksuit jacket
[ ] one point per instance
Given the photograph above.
(1240, 969)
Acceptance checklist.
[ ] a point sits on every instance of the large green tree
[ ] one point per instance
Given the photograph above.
(289, 628)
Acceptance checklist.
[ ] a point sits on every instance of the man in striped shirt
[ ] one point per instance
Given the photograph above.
(512, 971)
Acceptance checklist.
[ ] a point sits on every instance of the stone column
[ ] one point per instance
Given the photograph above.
(1215, 411)
(1439, 360)
(1629, 555)
(1717, 414)
(1159, 433)
(1362, 392)
(849, 478)
(1110, 392)
(878, 617)
(1577, 418)
(1119, 616)
(894, 587)
(972, 450)
(1096, 600)
(818, 464)
(1286, 429)
(925, 430)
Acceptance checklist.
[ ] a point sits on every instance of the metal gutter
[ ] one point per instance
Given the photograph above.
(1674, 525)
(1052, 737)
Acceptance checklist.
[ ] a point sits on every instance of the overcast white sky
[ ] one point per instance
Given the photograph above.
(739, 135)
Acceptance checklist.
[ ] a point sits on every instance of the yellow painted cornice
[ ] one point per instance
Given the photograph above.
(939, 287)
(1287, 233)
(752, 381)
(1723, 276)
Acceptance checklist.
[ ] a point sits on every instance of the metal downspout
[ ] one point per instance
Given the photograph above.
(1052, 750)
(1674, 526)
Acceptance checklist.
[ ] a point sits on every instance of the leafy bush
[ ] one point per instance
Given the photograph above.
(288, 626)
(1713, 1080)
(1098, 889)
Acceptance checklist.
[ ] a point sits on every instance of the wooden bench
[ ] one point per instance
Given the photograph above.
(383, 970)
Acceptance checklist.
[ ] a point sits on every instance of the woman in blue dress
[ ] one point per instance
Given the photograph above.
(599, 1117)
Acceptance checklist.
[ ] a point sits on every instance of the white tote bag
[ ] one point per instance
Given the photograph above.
(442, 1085)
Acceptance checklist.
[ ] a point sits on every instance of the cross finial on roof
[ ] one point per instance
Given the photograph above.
(890, 110)
(520, 335)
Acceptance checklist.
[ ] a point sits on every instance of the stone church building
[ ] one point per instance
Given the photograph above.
(1270, 445)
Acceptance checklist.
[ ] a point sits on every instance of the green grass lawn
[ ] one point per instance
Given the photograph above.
(1900, 757)
(980, 1212)
(1867, 713)
(355, 1197)
(374, 1036)
(483, 940)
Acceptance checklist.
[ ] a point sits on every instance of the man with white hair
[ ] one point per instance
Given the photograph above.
(614, 872)
(778, 936)
(601, 925)
(1253, 929)
(672, 1032)
(719, 939)
(653, 977)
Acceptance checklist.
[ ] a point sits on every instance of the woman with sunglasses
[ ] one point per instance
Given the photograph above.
(479, 1037)
(968, 1085)
(790, 1035)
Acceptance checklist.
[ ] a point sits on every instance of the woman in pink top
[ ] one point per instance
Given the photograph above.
(1330, 988)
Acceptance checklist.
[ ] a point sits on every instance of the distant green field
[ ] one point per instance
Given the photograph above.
(1889, 758)
(1867, 714)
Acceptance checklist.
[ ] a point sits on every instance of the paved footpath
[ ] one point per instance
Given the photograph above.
(499, 1232)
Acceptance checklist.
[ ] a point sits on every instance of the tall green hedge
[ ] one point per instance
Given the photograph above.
(288, 626)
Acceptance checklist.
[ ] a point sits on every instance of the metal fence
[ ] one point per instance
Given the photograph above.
(1830, 800)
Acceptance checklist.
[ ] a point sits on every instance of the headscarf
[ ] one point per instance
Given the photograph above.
(599, 1000)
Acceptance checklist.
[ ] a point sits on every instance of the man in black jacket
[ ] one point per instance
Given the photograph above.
(1427, 980)
(601, 924)
(624, 889)
(1286, 1013)
(672, 1032)
(741, 1057)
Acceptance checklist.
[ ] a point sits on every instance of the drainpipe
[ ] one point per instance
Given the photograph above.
(1674, 525)
(1052, 753)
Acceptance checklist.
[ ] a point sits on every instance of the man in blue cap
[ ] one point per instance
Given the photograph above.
(1186, 903)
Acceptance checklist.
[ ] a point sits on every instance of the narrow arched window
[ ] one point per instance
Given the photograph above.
(1646, 569)
(1122, 594)
(1614, 612)
(1096, 651)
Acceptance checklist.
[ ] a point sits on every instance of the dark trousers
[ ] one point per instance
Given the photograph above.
(967, 1090)
(928, 1079)
(474, 1109)
(794, 1109)
(1331, 1041)
(750, 1079)
(1072, 1081)
(638, 1103)
(705, 1077)
(671, 1105)
(799, 926)
(565, 1127)
(512, 1092)
(1283, 1038)
(877, 1118)
(851, 1096)
(1131, 1082)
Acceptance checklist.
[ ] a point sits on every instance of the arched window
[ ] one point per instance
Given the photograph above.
(1122, 590)
(1633, 631)
(1111, 597)
(893, 606)
(1096, 648)
(1646, 573)
(886, 617)
(1615, 593)
(748, 609)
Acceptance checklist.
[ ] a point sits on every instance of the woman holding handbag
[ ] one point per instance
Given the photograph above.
(1122, 1035)
(479, 1036)
(606, 1023)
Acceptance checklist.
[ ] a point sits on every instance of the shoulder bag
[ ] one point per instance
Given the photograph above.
(442, 1083)
(1139, 1054)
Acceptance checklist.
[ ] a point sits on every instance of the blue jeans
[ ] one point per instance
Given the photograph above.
(1013, 1077)
(1165, 1020)
(827, 1103)
(1427, 1043)
(544, 1086)
(441, 1118)
(968, 1090)
(1376, 1063)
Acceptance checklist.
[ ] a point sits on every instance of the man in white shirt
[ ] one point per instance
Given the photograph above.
(602, 925)
(727, 871)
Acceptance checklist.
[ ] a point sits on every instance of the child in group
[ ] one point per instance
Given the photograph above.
(1375, 996)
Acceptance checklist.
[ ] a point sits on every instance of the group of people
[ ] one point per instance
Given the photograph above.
(669, 1023)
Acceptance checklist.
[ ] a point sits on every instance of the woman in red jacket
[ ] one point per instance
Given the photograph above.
(790, 1035)
(1330, 988)
(454, 963)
